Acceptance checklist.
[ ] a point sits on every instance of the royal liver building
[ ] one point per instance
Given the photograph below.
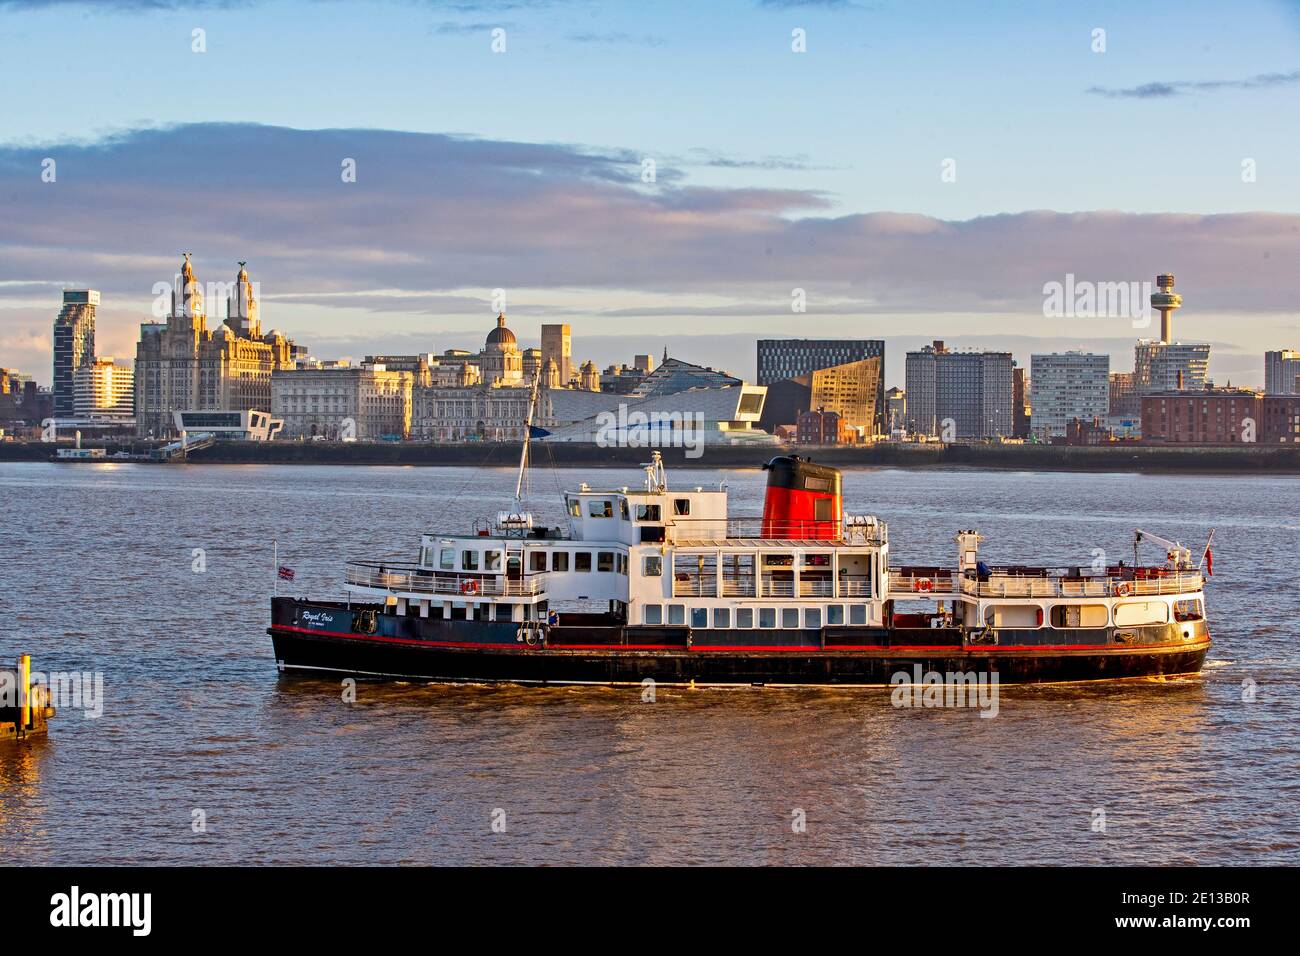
(180, 365)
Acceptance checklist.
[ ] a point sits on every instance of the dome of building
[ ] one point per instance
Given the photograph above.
(501, 338)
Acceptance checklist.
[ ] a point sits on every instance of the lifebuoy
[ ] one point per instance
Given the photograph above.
(1123, 589)
(922, 584)
(469, 587)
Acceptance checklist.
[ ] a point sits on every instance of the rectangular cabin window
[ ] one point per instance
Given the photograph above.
(600, 508)
(699, 617)
(858, 614)
(622, 509)
(652, 566)
(1189, 610)
(447, 559)
(582, 561)
(537, 561)
(503, 612)
(560, 561)
(812, 617)
(681, 506)
(469, 560)
(648, 513)
(492, 560)
(604, 560)
(744, 617)
(677, 614)
(1137, 613)
(722, 617)
(1080, 615)
(767, 617)
(835, 615)
(622, 563)
(575, 508)
(789, 617)
(654, 614)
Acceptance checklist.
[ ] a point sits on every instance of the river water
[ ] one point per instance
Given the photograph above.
(204, 754)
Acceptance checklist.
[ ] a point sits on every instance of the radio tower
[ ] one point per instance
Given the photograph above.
(1166, 300)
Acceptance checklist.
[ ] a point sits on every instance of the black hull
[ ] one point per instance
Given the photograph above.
(488, 652)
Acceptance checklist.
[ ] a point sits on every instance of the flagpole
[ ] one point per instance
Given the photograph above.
(1208, 542)
(275, 567)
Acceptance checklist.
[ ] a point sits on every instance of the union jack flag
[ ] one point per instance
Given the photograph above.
(286, 574)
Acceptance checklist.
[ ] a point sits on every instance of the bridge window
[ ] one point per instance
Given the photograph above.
(575, 507)
(722, 617)
(789, 617)
(681, 506)
(469, 560)
(767, 617)
(648, 513)
(652, 565)
(537, 561)
(677, 614)
(622, 509)
(600, 508)
(582, 561)
(560, 561)
(492, 560)
(447, 559)
(622, 563)
(834, 615)
(654, 614)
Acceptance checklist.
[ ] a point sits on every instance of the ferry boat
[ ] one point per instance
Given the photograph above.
(663, 584)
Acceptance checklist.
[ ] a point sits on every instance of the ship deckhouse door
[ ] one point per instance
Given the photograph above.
(514, 565)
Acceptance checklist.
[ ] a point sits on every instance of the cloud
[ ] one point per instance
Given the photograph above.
(1162, 90)
(434, 223)
(617, 38)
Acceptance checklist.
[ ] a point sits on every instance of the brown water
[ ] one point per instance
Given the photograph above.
(97, 575)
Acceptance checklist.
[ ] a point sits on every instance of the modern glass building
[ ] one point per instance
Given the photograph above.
(783, 359)
(74, 346)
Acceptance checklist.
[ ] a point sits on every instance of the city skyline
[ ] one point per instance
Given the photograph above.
(527, 174)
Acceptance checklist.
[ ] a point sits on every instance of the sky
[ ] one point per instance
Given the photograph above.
(918, 171)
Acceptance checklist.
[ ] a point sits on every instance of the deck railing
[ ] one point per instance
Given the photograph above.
(409, 577)
(752, 528)
(1016, 586)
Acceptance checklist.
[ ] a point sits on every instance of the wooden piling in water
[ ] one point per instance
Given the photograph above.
(25, 708)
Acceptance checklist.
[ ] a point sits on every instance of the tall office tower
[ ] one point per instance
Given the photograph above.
(782, 359)
(557, 346)
(74, 346)
(1282, 372)
(973, 389)
(645, 364)
(1066, 386)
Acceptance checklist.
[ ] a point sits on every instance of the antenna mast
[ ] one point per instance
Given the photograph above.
(528, 434)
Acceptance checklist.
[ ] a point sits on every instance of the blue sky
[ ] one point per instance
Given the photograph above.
(767, 161)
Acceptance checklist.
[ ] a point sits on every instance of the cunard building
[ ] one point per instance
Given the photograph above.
(180, 365)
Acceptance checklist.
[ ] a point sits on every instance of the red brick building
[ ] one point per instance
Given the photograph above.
(1281, 419)
(820, 428)
(1213, 416)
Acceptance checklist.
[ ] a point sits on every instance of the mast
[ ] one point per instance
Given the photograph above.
(528, 435)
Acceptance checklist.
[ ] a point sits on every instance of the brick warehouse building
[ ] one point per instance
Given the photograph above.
(1212, 416)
